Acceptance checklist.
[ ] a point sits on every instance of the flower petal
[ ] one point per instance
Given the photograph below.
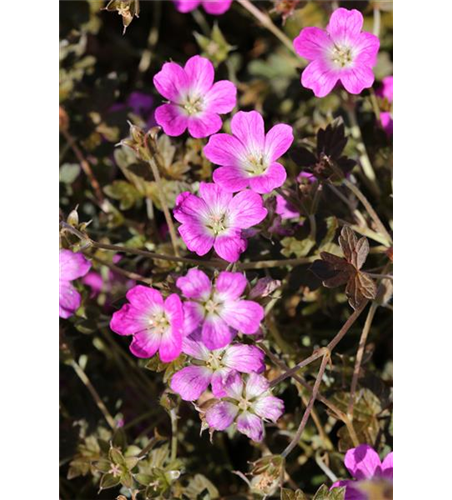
(171, 82)
(196, 238)
(225, 149)
(175, 313)
(129, 320)
(243, 315)
(171, 119)
(195, 349)
(144, 298)
(244, 358)
(186, 5)
(216, 333)
(221, 415)
(193, 317)
(278, 140)
(273, 178)
(190, 209)
(367, 46)
(145, 344)
(256, 385)
(233, 385)
(216, 198)
(358, 78)
(246, 209)
(248, 127)
(170, 344)
(195, 285)
(73, 265)
(250, 425)
(345, 25)
(70, 299)
(216, 7)
(204, 124)
(269, 407)
(221, 98)
(218, 381)
(229, 286)
(362, 462)
(191, 382)
(200, 74)
(387, 466)
(312, 43)
(231, 179)
(230, 247)
(319, 77)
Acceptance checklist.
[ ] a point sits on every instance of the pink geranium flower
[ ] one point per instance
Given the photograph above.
(195, 102)
(341, 53)
(248, 405)
(386, 92)
(216, 219)
(364, 465)
(248, 157)
(214, 7)
(72, 266)
(213, 367)
(156, 324)
(216, 312)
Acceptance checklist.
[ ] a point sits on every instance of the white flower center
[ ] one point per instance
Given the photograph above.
(217, 223)
(256, 164)
(214, 361)
(342, 56)
(244, 404)
(193, 104)
(158, 323)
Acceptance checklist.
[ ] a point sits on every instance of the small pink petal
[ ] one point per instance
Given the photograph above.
(243, 315)
(246, 209)
(196, 238)
(200, 74)
(230, 247)
(216, 333)
(345, 25)
(248, 127)
(319, 77)
(221, 415)
(312, 43)
(186, 5)
(274, 177)
(269, 407)
(145, 344)
(73, 265)
(170, 118)
(250, 425)
(171, 82)
(387, 466)
(231, 179)
(216, 7)
(70, 299)
(230, 286)
(170, 344)
(244, 358)
(195, 349)
(356, 79)
(195, 284)
(362, 462)
(256, 385)
(222, 97)
(144, 298)
(278, 140)
(204, 124)
(216, 198)
(193, 317)
(225, 149)
(191, 382)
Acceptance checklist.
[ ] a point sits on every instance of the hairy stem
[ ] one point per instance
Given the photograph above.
(173, 415)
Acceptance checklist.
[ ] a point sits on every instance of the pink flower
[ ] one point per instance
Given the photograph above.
(248, 405)
(248, 157)
(342, 52)
(285, 209)
(214, 7)
(72, 266)
(156, 324)
(386, 92)
(213, 367)
(216, 312)
(194, 100)
(215, 219)
(364, 464)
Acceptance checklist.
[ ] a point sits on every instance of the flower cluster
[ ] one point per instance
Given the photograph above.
(203, 327)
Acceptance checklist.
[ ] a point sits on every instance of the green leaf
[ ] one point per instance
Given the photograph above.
(124, 192)
(287, 494)
(69, 172)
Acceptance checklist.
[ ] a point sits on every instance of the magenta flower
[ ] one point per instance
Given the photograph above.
(248, 405)
(216, 219)
(216, 312)
(285, 209)
(248, 157)
(72, 266)
(156, 324)
(342, 52)
(214, 7)
(364, 464)
(195, 102)
(213, 367)
(386, 92)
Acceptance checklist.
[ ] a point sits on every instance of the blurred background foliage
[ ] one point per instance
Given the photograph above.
(106, 82)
